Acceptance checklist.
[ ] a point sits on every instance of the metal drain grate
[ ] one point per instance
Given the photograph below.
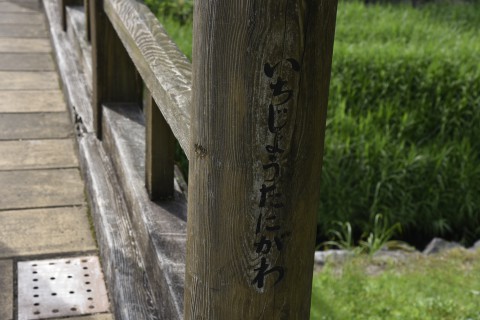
(60, 287)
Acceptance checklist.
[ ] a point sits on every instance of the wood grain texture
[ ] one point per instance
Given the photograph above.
(260, 90)
(125, 272)
(130, 289)
(115, 78)
(45, 231)
(86, 7)
(165, 71)
(24, 45)
(22, 18)
(29, 101)
(12, 80)
(37, 154)
(26, 62)
(63, 5)
(35, 126)
(22, 31)
(40, 188)
(20, 7)
(74, 84)
(107, 316)
(159, 227)
(77, 36)
(160, 151)
(6, 283)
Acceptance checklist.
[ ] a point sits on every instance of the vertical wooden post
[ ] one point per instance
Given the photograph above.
(63, 9)
(160, 151)
(86, 7)
(115, 78)
(261, 71)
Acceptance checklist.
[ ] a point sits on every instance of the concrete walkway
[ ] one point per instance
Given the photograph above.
(43, 211)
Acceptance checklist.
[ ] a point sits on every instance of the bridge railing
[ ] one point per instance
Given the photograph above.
(251, 120)
(129, 45)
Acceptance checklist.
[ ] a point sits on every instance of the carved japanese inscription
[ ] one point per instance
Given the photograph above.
(270, 233)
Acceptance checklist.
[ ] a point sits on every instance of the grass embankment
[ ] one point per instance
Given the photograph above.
(443, 287)
(403, 121)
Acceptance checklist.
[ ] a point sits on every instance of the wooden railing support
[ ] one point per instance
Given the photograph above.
(160, 151)
(115, 78)
(261, 71)
(63, 8)
(86, 7)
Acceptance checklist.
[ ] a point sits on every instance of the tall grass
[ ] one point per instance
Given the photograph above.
(403, 126)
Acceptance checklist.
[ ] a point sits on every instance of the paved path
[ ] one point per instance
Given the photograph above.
(43, 211)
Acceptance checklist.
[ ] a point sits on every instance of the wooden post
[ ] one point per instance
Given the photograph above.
(63, 8)
(115, 78)
(86, 7)
(160, 151)
(261, 71)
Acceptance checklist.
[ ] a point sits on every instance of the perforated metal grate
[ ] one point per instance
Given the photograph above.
(60, 287)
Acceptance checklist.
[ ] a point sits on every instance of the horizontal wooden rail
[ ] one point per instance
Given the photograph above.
(164, 69)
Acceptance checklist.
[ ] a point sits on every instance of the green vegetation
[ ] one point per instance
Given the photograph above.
(378, 238)
(441, 287)
(402, 127)
(181, 11)
(403, 121)
(177, 18)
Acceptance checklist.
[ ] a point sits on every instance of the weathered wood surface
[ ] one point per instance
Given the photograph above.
(165, 71)
(63, 6)
(260, 81)
(86, 7)
(26, 62)
(160, 152)
(123, 266)
(31, 101)
(35, 126)
(45, 231)
(24, 45)
(77, 37)
(37, 154)
(22, 31)
(124, 270)
(159, 227)
(40, 188)
(114, 77)
(74, 84)
(6, 283)
(11, 80)
(22, 18)
(20, 7)
(94, 317)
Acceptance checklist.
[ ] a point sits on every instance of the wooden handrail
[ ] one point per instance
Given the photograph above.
(164, 69)
(130, 46)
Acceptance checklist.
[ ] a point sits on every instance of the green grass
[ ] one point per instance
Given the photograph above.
(403, 120)
(181, 34)
(176, 17)
(443, 287)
